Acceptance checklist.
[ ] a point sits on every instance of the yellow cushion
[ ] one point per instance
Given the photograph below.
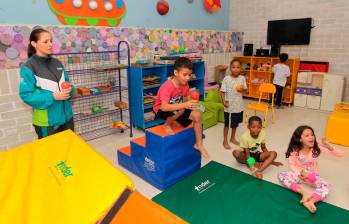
(338, 127)
(58, 179)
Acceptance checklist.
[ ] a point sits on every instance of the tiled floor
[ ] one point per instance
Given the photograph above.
(333, 169)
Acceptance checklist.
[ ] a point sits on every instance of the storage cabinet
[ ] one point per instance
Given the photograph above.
(313, 102)
(144, 85)
(300, 100)
(258, 70)
(101, 102)
(332, 91)
(321, 90)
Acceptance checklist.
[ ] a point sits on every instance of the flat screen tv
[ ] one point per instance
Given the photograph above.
(289, 32)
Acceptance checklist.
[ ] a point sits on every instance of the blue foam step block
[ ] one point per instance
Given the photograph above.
(165, 159)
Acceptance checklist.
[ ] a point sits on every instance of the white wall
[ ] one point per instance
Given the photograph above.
(15, 117)
(329, 40)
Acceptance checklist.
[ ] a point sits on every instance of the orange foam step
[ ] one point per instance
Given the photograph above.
(139, 209)
(140, 141)
(160, 129)
(125, 150)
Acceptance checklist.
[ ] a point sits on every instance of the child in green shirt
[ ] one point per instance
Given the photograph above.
(250, 143)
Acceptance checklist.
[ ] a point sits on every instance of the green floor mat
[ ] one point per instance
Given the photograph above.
(219, 194)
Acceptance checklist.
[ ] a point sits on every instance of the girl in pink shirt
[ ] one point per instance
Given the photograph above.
(302, 154)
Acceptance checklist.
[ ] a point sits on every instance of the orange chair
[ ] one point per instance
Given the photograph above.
(265, 88)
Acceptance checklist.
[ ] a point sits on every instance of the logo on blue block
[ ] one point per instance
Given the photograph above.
(149, 164)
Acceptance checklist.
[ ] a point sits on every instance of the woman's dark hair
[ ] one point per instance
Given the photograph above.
(34, 36)
(296, 145)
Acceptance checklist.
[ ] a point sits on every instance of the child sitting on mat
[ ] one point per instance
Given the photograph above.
(302, 154)
(170, 105)
(250, 142)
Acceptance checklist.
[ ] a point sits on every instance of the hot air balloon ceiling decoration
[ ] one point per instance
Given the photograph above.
(88, 12)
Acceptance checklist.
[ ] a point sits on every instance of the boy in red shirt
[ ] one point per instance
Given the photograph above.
(170, 105)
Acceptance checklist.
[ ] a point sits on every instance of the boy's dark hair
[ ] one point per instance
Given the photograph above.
(283, 57)
(234, 60)
(296, 145)
(183, 62)
(254, 119)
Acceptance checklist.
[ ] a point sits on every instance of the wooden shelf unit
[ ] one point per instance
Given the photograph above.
(255, 77)
(143, 116)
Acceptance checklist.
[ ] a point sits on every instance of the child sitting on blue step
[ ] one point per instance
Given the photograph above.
(250, 142)
(170, 104)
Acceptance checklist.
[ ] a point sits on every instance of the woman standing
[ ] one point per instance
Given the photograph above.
(45, 86)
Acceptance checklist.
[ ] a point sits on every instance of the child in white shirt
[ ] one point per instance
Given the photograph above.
(281, 72)
(233, 86)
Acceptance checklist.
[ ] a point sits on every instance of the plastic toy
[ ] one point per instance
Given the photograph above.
(181, 50)
(118, 125)
(202, 108)
(120, 104)
(95, 91)
(143, 62)
(238, 87)
(311, 177)
(250, 161)
(96, 109)
(264, 67)
(104, 88)
(83, 91)
(194, 95)
(174, 49)
(65, 85)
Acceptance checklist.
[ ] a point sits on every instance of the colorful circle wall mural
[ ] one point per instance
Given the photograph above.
(88, 12)
(143, 42)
